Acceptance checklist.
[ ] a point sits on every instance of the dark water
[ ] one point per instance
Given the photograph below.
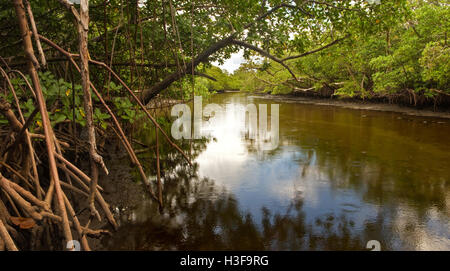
(338, 179)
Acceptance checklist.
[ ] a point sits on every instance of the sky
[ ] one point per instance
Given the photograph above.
(233, 62)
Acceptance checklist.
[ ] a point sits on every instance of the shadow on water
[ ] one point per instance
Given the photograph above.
(338, 179)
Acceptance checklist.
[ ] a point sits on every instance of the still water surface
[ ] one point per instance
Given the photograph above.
(339, 178)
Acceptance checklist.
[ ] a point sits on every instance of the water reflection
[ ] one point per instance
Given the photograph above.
(339, 178)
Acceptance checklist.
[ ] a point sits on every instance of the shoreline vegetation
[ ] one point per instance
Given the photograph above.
(359, 104)
(401, 60)
(75, 77)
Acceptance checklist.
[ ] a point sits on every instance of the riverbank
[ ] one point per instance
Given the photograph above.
(358, 104)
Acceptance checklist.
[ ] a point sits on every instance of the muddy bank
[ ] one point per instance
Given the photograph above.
(122, 190)
(359, 105)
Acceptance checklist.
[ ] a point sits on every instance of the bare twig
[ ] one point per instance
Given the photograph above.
(35, 34)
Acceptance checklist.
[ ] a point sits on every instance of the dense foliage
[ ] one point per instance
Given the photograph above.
(381, 48)
(405, 55)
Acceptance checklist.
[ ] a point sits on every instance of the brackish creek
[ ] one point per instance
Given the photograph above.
(338, 178)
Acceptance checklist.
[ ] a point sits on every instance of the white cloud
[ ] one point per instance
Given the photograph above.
(233, 62)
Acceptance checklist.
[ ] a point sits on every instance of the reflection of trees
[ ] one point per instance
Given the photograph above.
(198, 215)
(381, 157)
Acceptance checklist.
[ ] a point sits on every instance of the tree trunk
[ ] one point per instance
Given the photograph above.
(95, 158)
(149, 94)
(48, 131)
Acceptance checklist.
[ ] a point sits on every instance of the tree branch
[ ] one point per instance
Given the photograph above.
(149, 94)
(264, 53)
(69, 6)
(204, 75)
(315, 50)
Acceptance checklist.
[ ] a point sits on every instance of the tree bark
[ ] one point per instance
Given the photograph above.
(149, 94)
(7, 238)
(95, 158)
(35, 34)
(48, 131)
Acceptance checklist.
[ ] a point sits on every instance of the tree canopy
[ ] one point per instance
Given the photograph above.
(404, 54)
(153, 44)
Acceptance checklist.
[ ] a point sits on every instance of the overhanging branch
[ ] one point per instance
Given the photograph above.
(315, 50)
(204, 75)
(264, 53)
(148, 94)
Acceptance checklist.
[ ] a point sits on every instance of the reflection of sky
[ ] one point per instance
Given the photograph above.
(276, 183)
(273, 183)
(258, 180)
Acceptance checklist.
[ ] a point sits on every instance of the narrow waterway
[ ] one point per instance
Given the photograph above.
(338, 178)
